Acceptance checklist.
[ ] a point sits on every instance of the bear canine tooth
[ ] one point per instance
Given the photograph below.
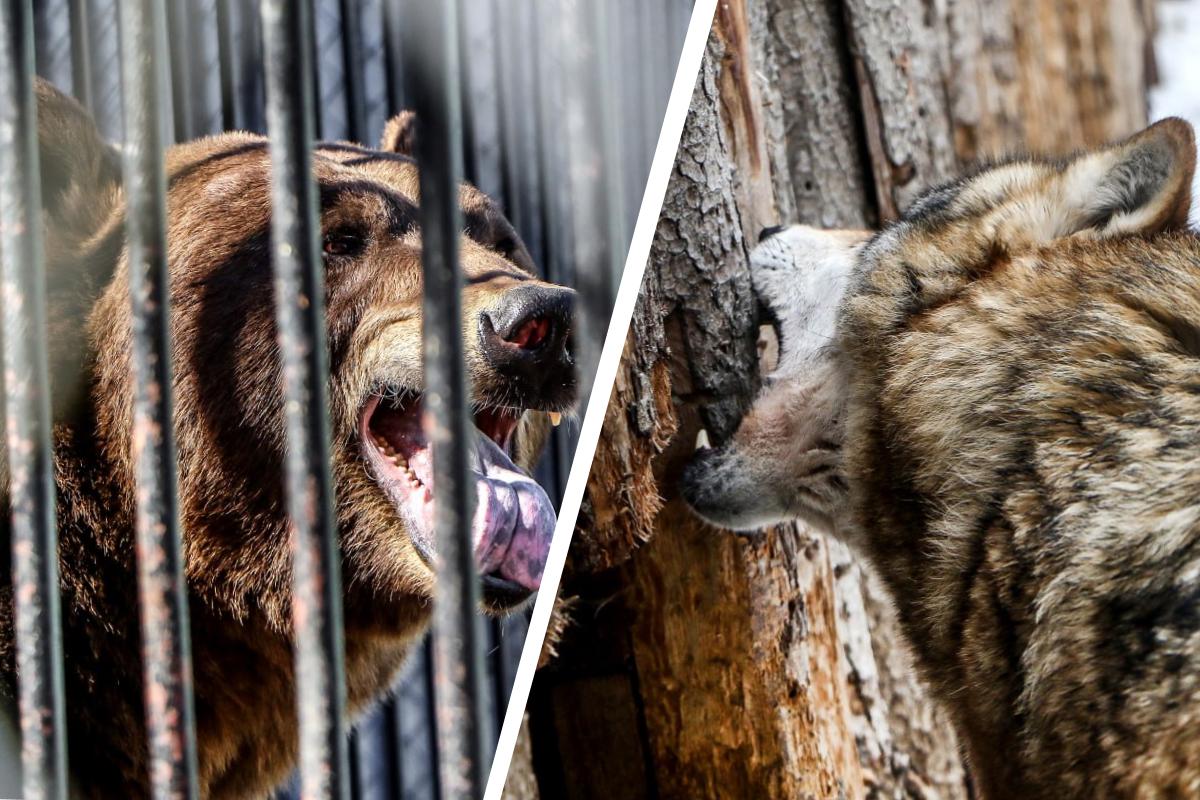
(555, 418)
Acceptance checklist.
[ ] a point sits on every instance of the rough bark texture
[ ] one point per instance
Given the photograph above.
(695, 663)
(522, 782)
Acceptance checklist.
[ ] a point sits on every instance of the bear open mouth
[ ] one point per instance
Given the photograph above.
(513, 521)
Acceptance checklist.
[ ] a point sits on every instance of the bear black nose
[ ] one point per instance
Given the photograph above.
(526, 337)
(767, 233)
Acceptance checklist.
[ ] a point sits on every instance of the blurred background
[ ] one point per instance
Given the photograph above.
(1177, 46)
(562, 102)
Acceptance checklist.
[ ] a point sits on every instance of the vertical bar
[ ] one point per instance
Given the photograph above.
(506, 112)
(392, 53)
(104, 47)
(226, 46)
(593, 203)
(329, 71)
(356, 102)
(81, 58)
(180, 36)
(205, 69)
(27, 422)
(251, 90)
(300, 317)
(52, 34)
(463, 737)
(549, 97)
(478, 43)
(414, 723)
(465, 80)
(166, 652)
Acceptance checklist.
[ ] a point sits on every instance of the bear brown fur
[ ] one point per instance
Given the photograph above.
(229, 430)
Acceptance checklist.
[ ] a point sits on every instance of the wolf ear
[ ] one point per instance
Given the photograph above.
(400, 134)
(1139, 186)
(79, 170)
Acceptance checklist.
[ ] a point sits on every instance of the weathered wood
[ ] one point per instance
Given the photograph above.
(521, 783)
(741, 675)
(1043, 75)
(906, 746)
(808, 80)
(902, 106)
(702, 664)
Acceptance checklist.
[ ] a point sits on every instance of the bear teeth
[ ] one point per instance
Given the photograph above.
(398, 460)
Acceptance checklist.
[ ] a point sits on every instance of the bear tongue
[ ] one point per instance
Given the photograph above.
(514, 519)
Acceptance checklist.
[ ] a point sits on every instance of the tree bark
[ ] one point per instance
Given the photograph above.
(696, 663)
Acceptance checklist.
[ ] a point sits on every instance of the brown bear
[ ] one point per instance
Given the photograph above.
(229, 426)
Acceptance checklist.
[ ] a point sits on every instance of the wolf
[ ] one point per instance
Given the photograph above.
(517, 333)
(996, 400)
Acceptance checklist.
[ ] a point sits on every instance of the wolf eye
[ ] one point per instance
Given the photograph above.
(343, 243)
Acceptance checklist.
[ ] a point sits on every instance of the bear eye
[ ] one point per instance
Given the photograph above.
(343, 243)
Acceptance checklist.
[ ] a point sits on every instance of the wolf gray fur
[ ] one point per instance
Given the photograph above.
(1002, 412)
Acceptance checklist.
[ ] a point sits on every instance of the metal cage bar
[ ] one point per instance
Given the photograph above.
(356, 111)
(162, 601)
(300, 317)
(463, 735)
(592, 154)
(81, 59)
(227, 65)
(179, 28)
(27, 418)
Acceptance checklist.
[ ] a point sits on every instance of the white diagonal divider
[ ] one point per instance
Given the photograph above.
(593, 420)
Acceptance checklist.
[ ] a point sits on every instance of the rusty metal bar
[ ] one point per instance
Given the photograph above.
(27, 423)
(300, 317)
(464, 738)
(162, 599)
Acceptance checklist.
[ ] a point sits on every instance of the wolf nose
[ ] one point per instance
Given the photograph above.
(767, 233)
(527, 335)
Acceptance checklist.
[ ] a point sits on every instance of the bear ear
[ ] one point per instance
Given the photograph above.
(400, 134)
(1139, 186)
(80, 172)
(81, 186)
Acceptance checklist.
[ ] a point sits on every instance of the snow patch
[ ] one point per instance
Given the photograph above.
(1177, 51)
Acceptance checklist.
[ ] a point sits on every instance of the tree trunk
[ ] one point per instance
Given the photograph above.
(695, 663)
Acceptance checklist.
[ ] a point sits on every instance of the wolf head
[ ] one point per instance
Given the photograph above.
(785, 461)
